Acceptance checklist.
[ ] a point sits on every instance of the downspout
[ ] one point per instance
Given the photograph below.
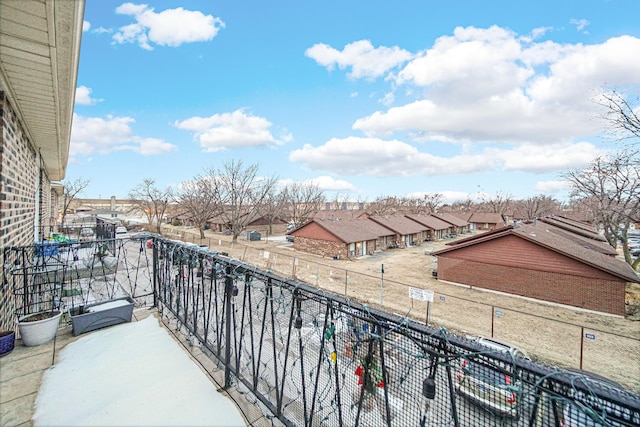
(36, 219)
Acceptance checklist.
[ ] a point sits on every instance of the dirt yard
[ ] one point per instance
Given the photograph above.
(553, 334)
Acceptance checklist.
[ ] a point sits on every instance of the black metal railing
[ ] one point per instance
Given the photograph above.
(66, 273)
(309, 357)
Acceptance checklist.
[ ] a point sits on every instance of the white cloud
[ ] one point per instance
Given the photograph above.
(371, 156)
(102, 30)
(580, 24)
(329, 183)
(388, 99)
(364, 60)
(551, 158)
(83, 96)
(171, 27)
(491, 85)
(539, 32)
(324, 182)
(376, 157)
(552, 186)
(91, 135)
(228, 130)
(153, 146)
(286, 136)
(484, 56)
(86, 25)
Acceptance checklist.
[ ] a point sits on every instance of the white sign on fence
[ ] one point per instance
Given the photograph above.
(421, 294)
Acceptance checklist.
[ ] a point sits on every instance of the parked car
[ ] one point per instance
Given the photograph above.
(121, 232)
(86, 233)
(584, 415)
(490, 386)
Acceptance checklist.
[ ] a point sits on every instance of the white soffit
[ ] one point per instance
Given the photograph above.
(39, 55)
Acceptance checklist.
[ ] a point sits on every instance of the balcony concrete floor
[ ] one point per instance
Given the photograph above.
(21, 374)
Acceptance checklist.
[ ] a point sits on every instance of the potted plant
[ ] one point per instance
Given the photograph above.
(101, 314)
(39, 328)
(7, 342)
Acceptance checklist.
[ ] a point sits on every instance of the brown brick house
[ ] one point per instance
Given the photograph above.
(484, 221)
(436, 228)
(536, 261)
(406, 232)
(341, 238)
(459, 225)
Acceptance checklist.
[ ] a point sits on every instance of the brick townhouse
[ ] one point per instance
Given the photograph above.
(39, 53)
(543, 262)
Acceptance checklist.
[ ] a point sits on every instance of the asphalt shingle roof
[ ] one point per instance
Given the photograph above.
(430, 221)
(451, 219)
(575, 227)
(486, 217)
(399, 224)
(352, 230)
(544, 235)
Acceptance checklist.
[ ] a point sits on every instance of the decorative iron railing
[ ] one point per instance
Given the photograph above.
(308, 357)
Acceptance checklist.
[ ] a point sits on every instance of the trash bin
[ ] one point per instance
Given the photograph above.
(253, 235)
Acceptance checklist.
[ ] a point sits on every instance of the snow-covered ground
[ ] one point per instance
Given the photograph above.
(126, 375)
(276, 238)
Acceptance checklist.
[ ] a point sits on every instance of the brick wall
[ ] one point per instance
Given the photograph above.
(19, 178)
(328, 248)
(593, 293)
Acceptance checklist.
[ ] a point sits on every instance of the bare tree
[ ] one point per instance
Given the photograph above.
(432, 201)
(623, 122)
(500, 203)
(152, 201)
(467, 205)
(383, 205)
(197, 198)
(238, 193)
(70, 192)
(340, 201)
(273, 208)
(610, 187)
(538, 206)
(302, 199)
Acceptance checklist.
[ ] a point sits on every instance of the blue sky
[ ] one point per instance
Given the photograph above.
(364, 98)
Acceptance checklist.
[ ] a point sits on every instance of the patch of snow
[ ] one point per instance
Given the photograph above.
(108, 305)
(126, 375)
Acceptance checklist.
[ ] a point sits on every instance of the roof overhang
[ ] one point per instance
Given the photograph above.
(39, 57)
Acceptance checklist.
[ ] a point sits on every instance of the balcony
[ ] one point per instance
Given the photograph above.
(292, 354)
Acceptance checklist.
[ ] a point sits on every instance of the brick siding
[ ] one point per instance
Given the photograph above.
(593, 293)
(327, 248)
(19, 178)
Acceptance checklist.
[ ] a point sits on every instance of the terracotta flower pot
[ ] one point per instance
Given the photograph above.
(39, 328)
